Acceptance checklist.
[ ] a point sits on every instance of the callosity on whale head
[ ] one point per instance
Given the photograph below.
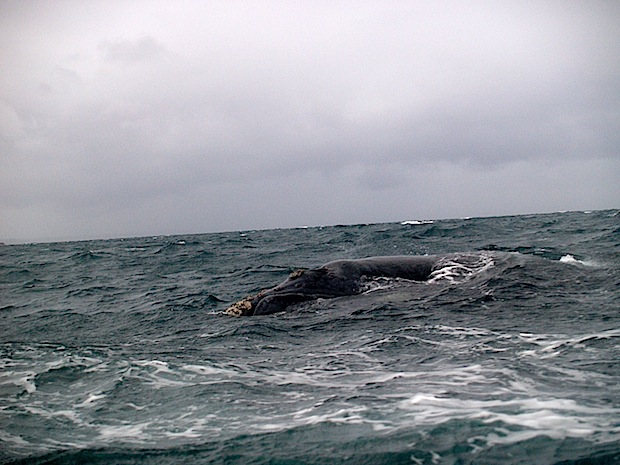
(242, 308)
(264, 304)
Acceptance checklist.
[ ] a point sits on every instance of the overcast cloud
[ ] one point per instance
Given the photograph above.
(122, 118)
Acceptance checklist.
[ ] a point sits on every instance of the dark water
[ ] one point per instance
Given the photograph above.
(116, 351)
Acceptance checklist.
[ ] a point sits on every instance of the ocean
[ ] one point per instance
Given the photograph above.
(118, 351)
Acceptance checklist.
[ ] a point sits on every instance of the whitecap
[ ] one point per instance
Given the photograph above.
(129, 432)
(456, 269)
(189, 433)
(162, 375)
(90, 400)
(369, 285)
(554, 342)
(571, 260)
(553, 417)
(8, 438)
(568, 258)
(23, 379)
(206, 370)
(416, 222)
(304, 417)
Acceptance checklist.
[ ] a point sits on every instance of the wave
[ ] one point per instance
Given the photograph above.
(506, 356)
(99, 403)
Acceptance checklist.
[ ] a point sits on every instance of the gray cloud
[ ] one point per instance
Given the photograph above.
(130, 52)
(157, 117)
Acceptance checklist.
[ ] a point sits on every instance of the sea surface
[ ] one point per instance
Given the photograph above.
(118, 351)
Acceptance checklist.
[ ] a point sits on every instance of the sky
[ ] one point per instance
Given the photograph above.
(134, 118)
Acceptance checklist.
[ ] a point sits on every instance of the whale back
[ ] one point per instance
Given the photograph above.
(416, 268)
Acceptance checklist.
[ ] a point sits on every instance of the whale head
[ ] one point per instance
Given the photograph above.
(301, 285)
(265, 304)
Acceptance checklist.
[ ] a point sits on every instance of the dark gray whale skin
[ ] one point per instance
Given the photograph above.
(334, 279)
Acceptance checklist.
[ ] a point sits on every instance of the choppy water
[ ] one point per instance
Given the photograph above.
(116, 351)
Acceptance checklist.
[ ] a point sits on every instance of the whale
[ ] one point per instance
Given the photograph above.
(334, 279)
